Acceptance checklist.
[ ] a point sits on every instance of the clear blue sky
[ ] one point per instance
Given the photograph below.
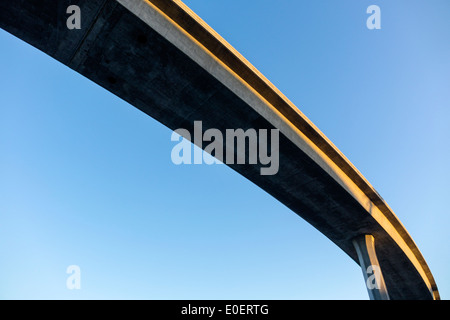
(86, 179)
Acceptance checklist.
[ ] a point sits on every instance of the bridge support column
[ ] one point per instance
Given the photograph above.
(373, 277)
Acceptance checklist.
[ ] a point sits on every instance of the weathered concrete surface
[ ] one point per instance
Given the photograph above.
(162, 59)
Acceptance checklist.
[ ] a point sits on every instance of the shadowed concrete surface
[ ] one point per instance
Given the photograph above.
(161, 58)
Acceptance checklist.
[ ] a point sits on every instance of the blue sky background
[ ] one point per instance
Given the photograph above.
(87, 179)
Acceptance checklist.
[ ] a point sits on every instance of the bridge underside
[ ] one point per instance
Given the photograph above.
(121, 53)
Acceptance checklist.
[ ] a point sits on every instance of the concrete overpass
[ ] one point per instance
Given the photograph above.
(163, 59)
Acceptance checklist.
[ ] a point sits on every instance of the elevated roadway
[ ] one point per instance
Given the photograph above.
(163, 59)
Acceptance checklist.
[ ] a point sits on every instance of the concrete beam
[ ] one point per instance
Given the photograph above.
(373, 275)
(164, 60)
